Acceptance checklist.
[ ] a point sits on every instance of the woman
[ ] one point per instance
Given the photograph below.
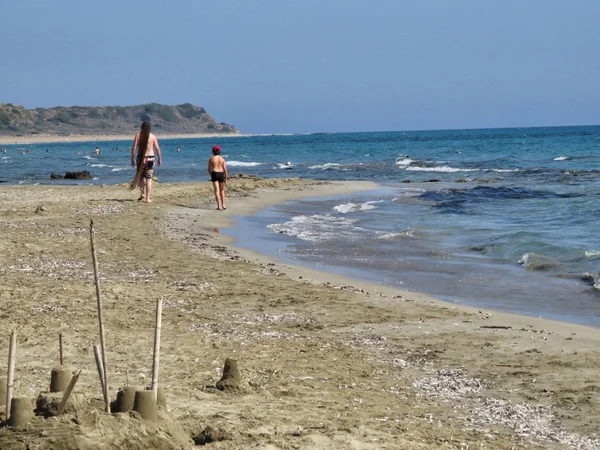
(144, 144)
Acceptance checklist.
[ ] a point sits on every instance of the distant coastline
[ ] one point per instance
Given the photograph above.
(85, 123)
(48, 139)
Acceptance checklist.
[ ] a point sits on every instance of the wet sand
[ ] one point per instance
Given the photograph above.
(327, 362)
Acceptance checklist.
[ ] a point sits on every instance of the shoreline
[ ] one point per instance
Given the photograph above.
(49, 139)
(250, 206)
(328, 362)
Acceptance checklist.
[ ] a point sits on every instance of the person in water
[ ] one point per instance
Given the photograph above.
(217, 168)
(143, 156)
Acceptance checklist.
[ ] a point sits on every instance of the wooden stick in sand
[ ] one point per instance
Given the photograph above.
(67, 393)
(156, 347)
(100, 373)
(60, 348)
(11, 371)
(100, 318)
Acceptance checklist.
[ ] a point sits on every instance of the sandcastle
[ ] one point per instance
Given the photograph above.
(135, 412)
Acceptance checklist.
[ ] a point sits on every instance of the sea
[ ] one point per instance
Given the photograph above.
(501, 219)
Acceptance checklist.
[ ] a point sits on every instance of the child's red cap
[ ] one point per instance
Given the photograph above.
(216, 149)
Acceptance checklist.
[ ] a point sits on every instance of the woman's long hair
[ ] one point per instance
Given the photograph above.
(141, 151)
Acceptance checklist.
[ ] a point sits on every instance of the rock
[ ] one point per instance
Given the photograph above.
(83, 175)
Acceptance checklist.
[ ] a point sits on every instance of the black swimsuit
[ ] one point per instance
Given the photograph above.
(217, 176)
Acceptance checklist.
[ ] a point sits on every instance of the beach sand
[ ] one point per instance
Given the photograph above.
(52, 138)
(326, 362)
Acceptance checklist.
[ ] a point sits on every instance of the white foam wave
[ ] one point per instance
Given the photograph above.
(346, 208)
(98, 165)
(352, 207)
(591, 253)
(403, 234)
(119, 169)
(316, 228)
(326, 166)
(502, 170)
(404, 161)
(439, 169)
(243, 164)
(561, 158)
(286, 166)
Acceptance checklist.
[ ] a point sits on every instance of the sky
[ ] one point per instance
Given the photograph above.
(293, 66)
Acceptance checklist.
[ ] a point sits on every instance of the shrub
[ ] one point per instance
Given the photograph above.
(167, 114)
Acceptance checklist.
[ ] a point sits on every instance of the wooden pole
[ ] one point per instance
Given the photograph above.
(11, 371)
(60, 348)
(156, 347)
(100, 318)
(101, 373)
(67, 393)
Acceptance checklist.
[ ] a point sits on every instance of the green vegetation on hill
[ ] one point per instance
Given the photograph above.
(16, 120)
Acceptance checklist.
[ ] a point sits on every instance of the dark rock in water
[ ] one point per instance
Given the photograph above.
(433, 180)
(588, 278)
(83, 175)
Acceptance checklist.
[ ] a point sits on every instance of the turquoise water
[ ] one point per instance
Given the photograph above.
(502, 218)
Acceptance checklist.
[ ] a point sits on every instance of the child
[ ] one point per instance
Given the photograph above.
(218, 175)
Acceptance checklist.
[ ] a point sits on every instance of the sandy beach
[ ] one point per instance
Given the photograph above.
(326, 362)
(51, 138)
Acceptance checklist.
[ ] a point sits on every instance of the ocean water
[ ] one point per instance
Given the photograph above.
(501, 218)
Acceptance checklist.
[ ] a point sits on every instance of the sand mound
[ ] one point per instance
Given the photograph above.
(88, 428)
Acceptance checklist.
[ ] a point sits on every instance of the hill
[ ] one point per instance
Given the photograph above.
(16, 120)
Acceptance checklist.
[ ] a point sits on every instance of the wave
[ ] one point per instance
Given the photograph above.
(404, 161)
(326, 166)
(317, 228)
(445, 169)
(406, 234)
(352, 207)
(561, 158)
(98, 165)
(592, 253)
(533, 261)
(243, 164)
(119, 169)
(285, 166)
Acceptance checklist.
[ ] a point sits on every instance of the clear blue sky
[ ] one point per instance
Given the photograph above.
(277, 66)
